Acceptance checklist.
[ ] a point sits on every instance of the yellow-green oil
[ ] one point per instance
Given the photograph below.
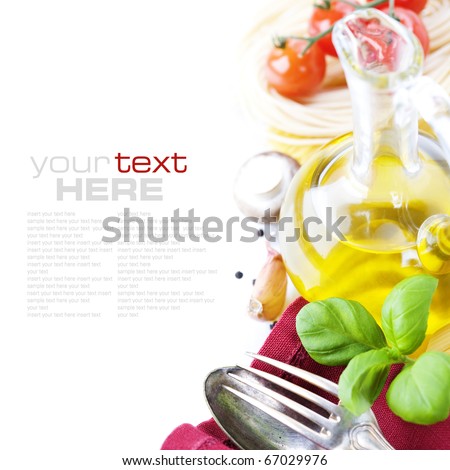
(383, 212)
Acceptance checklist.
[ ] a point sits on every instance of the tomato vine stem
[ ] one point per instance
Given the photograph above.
(372, 4)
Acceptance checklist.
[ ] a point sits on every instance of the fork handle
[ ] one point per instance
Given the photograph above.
(367, 436)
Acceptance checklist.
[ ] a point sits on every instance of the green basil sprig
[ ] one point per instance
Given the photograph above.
(404, 315)
(421, 392)
(339, 332)
(329, 340)
(364, 380)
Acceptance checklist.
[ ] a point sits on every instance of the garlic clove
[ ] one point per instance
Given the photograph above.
(269, 292)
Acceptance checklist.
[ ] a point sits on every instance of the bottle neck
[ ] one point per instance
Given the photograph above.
(385, 124)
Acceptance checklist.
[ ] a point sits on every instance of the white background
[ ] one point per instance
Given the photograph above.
(94, 78)
(83, 78)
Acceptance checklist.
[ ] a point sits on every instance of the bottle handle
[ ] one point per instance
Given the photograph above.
(433, 104)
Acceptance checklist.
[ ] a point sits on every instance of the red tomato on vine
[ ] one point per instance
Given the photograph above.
(415, 5)
(413, 22)
(294, 73)
(325, 14)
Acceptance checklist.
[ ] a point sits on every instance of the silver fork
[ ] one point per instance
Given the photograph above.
(335, 428)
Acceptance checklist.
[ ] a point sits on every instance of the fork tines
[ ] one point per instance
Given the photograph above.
(324, 425)
(309, 377)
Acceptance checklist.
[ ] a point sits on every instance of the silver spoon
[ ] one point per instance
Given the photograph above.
(262, 411)
(247, 426)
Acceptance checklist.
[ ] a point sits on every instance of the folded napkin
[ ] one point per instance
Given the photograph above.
(284, 345)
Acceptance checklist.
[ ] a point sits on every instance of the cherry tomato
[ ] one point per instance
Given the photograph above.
(377, 46)
(325, 16)
(292, 73)
(413, 22)
(415, 5)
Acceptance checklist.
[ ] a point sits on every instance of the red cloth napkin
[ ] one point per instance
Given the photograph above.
(283, 344)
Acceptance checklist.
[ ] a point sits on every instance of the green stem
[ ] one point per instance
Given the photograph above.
(323, 5)
(375, 3)
(312, 41)
(397, 357)
(391, 7)
(280, 41)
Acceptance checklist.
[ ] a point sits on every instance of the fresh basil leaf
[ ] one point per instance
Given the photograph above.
(421, 392)
(333, 331)
(405, 311)
(363, 379)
